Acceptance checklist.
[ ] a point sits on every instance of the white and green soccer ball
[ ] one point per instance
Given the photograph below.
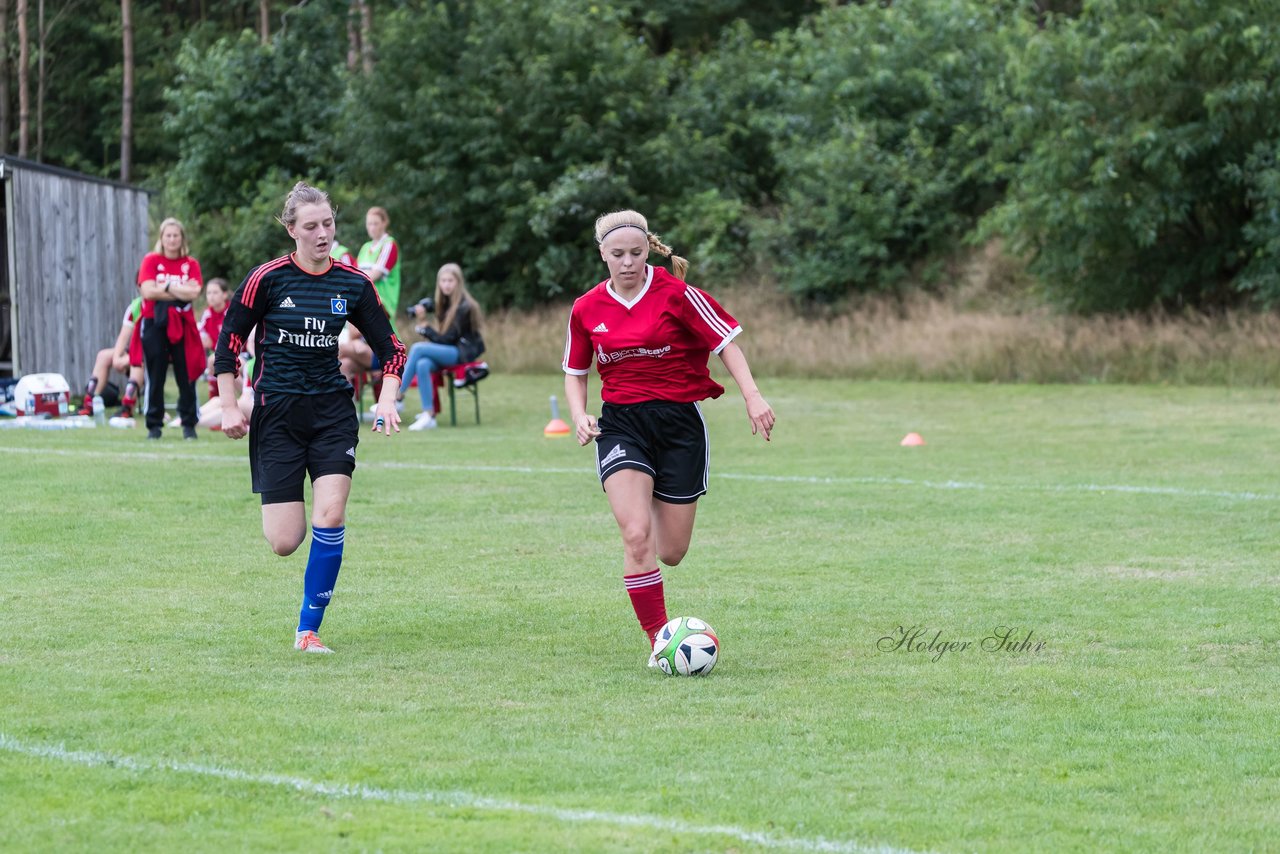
(686, 646)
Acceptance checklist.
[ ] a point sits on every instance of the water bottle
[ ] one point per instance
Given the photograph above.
(99, 411)
(31, 405)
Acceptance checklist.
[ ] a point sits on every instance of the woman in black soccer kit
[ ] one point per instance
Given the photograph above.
(303, 420)
(650, 335)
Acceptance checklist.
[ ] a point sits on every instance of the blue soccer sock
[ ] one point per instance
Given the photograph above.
(322, 573)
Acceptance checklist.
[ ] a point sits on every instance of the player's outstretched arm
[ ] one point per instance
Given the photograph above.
(758, 409)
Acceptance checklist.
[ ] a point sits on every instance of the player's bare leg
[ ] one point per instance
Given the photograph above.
(285, 526)
(630, 494)
(672, 526)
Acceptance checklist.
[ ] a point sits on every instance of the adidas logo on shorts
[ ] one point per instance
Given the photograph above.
(288, 303)
(601, 328)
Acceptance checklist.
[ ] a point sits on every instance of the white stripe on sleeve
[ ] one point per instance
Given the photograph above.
(706, 312)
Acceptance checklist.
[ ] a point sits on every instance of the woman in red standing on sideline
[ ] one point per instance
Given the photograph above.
(169, 280)
(651, 335)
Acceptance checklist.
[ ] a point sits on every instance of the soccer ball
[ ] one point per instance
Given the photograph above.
(686, 646)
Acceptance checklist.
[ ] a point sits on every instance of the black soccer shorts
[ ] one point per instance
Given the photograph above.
(291, 435)
(666, 440)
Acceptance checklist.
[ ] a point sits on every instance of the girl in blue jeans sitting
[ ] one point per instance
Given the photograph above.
(457, 342)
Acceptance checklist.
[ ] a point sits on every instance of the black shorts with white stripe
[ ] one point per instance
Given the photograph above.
(293, 435)
(665, 440)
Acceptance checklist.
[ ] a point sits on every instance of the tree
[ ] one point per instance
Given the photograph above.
(126, 94)
(4, 75)
(24, 79)
(882, 137)
(366, 36)
(46, 28)
(353, 35)
(499, 139)
(1143, 143)
(260, 128)
(696, 26)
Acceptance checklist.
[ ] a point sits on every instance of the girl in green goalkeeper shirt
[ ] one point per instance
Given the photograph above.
(380, 259)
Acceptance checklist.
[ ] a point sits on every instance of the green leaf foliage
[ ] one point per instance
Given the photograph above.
(498, 140)
(248, 118)
(1143, 143)
(1129, 150)
(882, 140)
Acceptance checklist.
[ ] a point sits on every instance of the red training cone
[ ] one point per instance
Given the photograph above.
(911, 440)
(556, 426)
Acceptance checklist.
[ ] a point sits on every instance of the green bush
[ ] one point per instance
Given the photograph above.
(1144, 138)
(249, 118)
(882, 140)
(496, 141)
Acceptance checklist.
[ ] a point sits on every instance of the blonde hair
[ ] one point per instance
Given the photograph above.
(302, 194)
(380, 213)
(185, 249)
(631, 219)
(447, 307)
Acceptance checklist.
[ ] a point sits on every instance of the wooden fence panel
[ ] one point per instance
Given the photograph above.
(76, 244)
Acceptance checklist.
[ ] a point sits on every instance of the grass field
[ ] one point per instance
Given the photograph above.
(489, 690)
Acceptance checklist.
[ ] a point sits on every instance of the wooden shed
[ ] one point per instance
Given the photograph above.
(68, 266)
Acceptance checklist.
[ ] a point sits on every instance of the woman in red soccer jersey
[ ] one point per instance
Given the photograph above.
(651, 335)
(169, 281)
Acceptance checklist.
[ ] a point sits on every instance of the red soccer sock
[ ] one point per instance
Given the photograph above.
(645, 590)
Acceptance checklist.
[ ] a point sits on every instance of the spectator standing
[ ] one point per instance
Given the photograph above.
(169, 281)
(379, 258)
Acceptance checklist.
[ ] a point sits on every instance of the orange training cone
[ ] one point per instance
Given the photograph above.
(556, 426)
(911, 440)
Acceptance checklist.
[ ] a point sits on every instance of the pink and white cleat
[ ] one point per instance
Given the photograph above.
(310, 642)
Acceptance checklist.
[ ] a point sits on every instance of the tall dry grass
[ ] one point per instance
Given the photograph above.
(985, 329)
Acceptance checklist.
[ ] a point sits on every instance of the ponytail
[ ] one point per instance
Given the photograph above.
(679, 266)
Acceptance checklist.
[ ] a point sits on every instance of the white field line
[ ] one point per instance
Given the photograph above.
(455, 799)
(1058, 488)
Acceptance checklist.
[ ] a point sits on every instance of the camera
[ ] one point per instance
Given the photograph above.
(428, 306)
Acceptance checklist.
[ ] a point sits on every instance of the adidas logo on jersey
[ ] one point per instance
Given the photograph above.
(288, 303)
(601, 328)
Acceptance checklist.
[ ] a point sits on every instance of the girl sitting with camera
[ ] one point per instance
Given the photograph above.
(456, 341)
